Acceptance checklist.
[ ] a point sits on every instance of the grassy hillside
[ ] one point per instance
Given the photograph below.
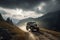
(15, 32)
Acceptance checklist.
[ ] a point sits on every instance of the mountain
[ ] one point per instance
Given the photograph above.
(9, 21)
(1, 18)
(52, 20)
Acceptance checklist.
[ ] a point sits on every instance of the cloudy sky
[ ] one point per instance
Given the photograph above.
(21, 9)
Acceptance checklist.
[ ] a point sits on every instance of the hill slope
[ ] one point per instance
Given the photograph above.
(15, 32)
(52, 20)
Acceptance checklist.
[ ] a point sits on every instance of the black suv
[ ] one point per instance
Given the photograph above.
(32, 26)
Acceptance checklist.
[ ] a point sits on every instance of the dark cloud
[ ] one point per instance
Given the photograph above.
(26, 4)
(30, 4)
(52, 5)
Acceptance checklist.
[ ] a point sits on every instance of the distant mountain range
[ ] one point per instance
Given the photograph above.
(52, 20)
(1, 18)
(8, 19)
(21, 22)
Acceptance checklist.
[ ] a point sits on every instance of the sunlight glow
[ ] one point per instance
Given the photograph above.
(19, 11)
(40, 7)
